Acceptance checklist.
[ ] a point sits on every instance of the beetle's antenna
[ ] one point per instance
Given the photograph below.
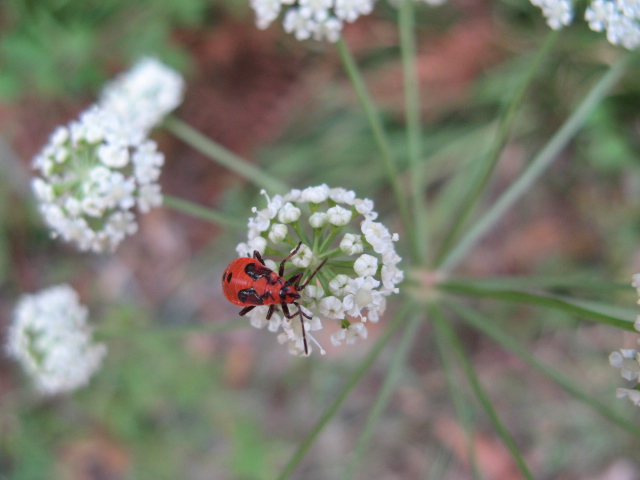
(302, 287)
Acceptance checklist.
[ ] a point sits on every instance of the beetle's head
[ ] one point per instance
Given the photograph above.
(289, 294)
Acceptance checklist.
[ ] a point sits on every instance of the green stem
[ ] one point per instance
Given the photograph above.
(379, 135)
(461, 409)
(384, 394)
(199, 211)
(453, 340)
(488, 328)
(537, 166)
(468, 201)
(589, 310)
(223, 156)
(332, 409)
(412, 111)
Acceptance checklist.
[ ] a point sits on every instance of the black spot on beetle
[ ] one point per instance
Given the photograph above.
(249, 296)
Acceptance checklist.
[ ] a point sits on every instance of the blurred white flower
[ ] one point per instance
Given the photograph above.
(627, 361)
(558, 13)
(317, 19)
(92, 173)
(143, 95)
(52, 341)
(620, 19)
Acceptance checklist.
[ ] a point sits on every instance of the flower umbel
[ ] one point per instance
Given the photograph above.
(143, 95)
(620, 19)
(51, 339)
(360, 269)
(93, 173)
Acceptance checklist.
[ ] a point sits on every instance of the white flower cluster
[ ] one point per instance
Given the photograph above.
(361, 268)
(50, 337)
(318, 19)
(145, 94)
(628, 360)
(558, 13)
(619, 18)
(95, 170)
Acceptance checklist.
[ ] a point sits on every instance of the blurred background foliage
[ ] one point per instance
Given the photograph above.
(176, 399)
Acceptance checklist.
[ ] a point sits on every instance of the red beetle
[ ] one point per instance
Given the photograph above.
(247, 282)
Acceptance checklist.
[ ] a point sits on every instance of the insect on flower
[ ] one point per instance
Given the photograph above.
(248, 282)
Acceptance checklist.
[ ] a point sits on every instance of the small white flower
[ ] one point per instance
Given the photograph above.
(318, 219)
(342, 195)
(351, 244)
(52, 341)
(627, 361)
(289, 213)
(366, 265)
(631, 394)
(331, 307)
(145, 94)
(338, 216)
(350, 334)
(315, 194)
(303, 257)
(312, 296)
(338, 285)
(278, 232)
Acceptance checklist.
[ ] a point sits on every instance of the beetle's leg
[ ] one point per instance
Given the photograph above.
(257, 256)
(304, 333)
(272, 308)
(246, 310)
(301, 287)
(281, 271)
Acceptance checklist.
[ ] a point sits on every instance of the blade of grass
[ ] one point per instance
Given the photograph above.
(332, 409)
(199, 211)
(589, 310)
(462, 412)
(452, 340)
(219, 154)
(384, 394)
(469, 201)
(536, 167)
(551, 282)
(412, 114)
(488, 328)
(379, 135)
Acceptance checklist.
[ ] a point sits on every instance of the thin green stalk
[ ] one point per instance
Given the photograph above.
(223, 156)
(488, 328)
(480, 181)
(537, 166)
(589, 310)
(459, 406)
(199, 211)
(408, 52)
(550, 282)
(332, 409)
(454, 342)
(379, 135)
(384, 394)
